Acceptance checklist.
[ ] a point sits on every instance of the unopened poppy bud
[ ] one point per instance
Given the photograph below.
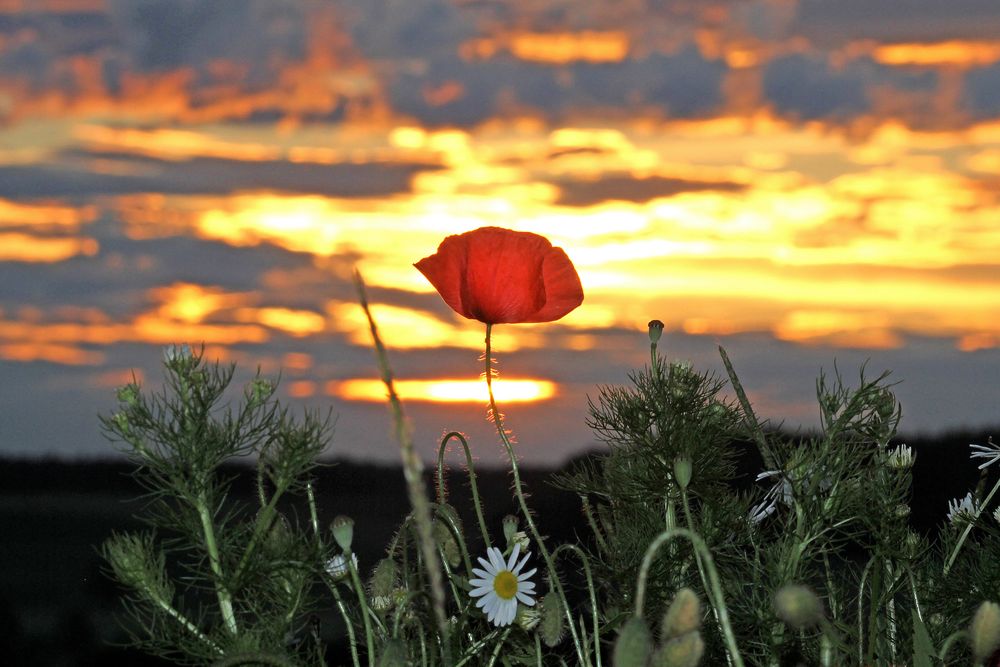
(343, 531)
(278, 533)
(682, 616)
(798, 606)
(655, 330)
(682, 471)
(552, 624)
(383, 579)
(633, 645)
(984, 632)
(509, 528)
(446, 542)
(683, 651)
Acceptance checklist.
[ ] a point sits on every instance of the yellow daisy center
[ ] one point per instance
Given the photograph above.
(505, 584)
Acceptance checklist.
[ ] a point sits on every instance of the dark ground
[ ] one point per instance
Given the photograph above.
(58, 608)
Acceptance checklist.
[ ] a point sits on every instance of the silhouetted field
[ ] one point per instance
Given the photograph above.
(58, 608)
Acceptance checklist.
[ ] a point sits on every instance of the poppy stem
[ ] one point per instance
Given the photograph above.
(519, 492)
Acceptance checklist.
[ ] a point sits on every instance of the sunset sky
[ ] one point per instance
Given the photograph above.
(803, 182)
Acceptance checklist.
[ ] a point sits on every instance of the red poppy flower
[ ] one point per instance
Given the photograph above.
(498, 275)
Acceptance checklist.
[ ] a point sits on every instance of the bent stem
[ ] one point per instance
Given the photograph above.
(715, 588)
(441, 493)
(519, 492)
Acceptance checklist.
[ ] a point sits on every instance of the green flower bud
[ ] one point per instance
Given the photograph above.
(393, 654)
(552, 624)
(129, 394)
(528, 617)
(984, 632)
(683, 615)
(798, 606)
(446, 542)
(655, 330)
(278, 535)
(633, 645)
(383, 579)
(343, 531)
(509, 528)
(682, 471)
(683, 651)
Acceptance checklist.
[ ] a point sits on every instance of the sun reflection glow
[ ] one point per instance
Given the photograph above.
(506, 390)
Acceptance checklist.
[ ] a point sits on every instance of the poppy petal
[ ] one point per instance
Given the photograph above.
(563, 291)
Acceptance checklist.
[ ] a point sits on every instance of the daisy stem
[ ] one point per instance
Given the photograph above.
(413, 472)
(714, 588)
(519, 492)
(968, 528)
(352, 639)
(363, 604)
(476, 502)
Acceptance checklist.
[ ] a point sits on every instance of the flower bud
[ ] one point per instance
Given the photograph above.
(684, 651)
(129, 394)
(552, 624)
(343, 531)
(633, 645)
(383, 579)
(527, 617)
(278, 535)
(445, 540)
(655, 330)
(798, 606)
(682, 471)
(984, 632)
(509, 528)
(683, 615)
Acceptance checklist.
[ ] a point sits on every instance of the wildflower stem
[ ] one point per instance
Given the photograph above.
(590, 590)
(413, 472)
(184, 621)
(968, 528)
(363, 604)
(352, 639)
(476, 502)
(701, 568)
(519, 492)
(208, 531)
(714, 588)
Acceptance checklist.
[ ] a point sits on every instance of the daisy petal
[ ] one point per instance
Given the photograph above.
(525, 600)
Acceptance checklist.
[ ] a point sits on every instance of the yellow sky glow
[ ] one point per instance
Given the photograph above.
(506, 390)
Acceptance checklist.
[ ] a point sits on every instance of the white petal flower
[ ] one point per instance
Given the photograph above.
(996, 514)
(501, 585)
(336, 567)
(780, 491)
(989, 451)
(901, 457)
(965, 509)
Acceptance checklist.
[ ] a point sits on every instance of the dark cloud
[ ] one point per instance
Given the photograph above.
(827, 23)
(982, 91)
(630, 188)
(206, 176)
(807, 87)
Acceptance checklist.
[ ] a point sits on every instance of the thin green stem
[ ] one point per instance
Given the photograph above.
(591, 591)
(701, 568)
(352, 639)
(714, 588)
(476, 502)
(519, 492)
(184, 621)
(968, 528)
(363, 602)
(225, 599)
(952, 639)
(588, 512)
(413, 472)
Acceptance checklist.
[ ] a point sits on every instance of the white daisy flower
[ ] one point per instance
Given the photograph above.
(989, 451)
(965, 509)
(996, 514)
(501, 585)
(336, 567)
